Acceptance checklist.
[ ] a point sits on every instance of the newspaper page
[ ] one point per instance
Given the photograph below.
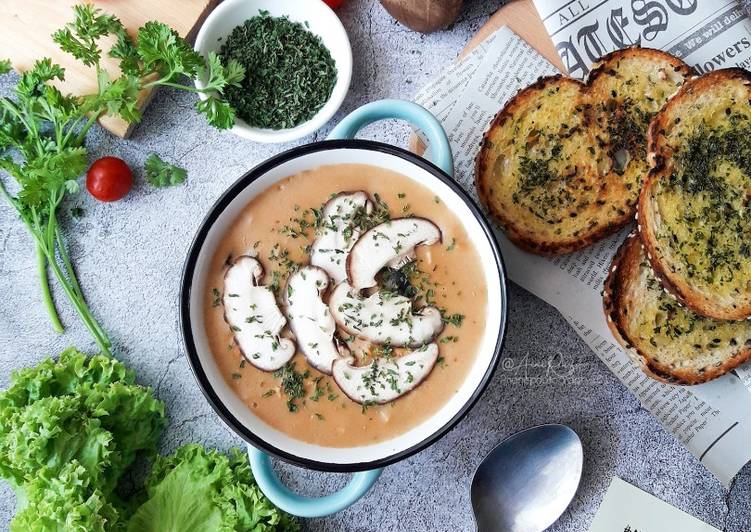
(707, 34)
(627, 508)
(712, 420)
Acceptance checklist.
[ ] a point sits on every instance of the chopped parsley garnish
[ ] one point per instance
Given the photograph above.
(318, 390)
(366, 405)
(385, 351)
(542, 189)
(293, 384)
(454, 319)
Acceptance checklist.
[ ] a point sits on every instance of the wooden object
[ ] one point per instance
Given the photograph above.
(27, 27)
(522, 18)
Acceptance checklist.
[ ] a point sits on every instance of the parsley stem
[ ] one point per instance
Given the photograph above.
(83, 311)
(11, 200)
(71, 129)
(49, 244)
(163, 83)
(70, 283)
(71, 273)
(93, 117)
(49, 304)
(159, 81)
(66, 262)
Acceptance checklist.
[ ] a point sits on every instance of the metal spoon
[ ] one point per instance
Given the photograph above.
(528, 480)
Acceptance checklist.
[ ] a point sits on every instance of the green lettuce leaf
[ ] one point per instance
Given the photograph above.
(86, 409)
(69, 429)
(65, 501)
(197, 489)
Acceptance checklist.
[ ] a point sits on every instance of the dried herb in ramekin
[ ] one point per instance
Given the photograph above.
(289, 72)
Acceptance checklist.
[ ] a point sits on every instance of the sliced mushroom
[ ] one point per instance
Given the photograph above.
(384, 317)
(254, 317)
(390, 244)
(384, 380)
(310, 318)
(339, 232)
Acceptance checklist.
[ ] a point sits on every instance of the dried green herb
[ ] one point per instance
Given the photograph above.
(290, 73)
(293, 384)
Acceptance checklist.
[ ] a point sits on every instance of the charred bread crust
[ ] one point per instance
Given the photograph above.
(620, 294)
(612, 294)
(513, 231)
(616, 198)
(661, 158)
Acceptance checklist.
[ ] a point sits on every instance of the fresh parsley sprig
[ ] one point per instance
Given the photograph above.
(162, 174)
(158, 57)
(42, 130)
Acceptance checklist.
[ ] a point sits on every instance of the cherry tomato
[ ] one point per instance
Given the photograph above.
(109, 179)
(333, 4)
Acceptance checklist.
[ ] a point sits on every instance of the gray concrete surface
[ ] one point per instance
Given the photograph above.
(130, 254)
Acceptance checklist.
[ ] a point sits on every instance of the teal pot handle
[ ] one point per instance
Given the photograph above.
(439, 150)
(290, 502)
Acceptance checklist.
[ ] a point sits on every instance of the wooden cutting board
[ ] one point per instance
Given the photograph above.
(27, 27)
(522, 18)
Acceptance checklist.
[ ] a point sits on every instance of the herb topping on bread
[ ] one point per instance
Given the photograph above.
(561, 165)
(695, 209)
(667, 340)
(627, 89)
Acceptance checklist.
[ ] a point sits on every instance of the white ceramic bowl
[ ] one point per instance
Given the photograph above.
(320, 19)
(194, 285)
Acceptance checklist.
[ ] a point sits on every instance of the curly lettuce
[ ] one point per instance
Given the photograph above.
(65, 501)
(69, 428)
(198, 489)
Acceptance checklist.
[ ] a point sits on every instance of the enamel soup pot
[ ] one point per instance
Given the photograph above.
(263, 440)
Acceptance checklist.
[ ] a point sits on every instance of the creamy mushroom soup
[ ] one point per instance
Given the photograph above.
(346, 305)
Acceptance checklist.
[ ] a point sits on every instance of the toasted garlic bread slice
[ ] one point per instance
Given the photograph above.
(667, 340)
(561, 165)
(627, 88)
(537, 169)
(695, 208)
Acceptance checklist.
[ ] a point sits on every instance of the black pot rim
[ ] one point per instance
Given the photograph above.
(187, 280)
